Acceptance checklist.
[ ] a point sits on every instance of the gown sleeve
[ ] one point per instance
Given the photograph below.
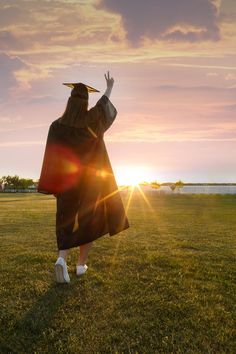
(101, 116)
(46, 165)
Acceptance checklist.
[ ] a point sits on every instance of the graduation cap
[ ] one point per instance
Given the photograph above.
(77, 85)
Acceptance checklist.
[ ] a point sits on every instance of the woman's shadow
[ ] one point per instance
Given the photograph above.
(34, 326)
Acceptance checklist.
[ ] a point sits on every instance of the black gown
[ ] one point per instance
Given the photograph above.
(76, 169)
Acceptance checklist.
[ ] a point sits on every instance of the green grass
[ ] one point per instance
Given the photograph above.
(165, 285)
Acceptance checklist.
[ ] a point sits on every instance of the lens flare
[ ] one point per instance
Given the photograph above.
(61, 169)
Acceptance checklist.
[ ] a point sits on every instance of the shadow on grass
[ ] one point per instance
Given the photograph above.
(40, 322)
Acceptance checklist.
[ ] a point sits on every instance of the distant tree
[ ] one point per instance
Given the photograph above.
(10, 181)
(5, 179)
(25, 183)
(15, 182)
(179, 183)
(2, 182)
(155, 184)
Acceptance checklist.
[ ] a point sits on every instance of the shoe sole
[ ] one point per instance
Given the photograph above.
(59, 274)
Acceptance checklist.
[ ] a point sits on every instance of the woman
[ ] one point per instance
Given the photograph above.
(77, 171)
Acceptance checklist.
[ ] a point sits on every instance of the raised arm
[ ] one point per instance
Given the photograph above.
(101, 116)
(110, 82)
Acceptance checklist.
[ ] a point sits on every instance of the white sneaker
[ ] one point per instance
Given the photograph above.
(81, 269)
(62, 275)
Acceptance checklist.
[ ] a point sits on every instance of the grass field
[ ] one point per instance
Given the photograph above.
(165, 285)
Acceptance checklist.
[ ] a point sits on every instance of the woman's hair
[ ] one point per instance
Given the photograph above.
(76, 108)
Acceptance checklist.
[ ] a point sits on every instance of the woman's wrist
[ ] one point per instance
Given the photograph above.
(108, 91)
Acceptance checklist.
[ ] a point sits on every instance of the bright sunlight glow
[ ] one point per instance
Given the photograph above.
(132, 175)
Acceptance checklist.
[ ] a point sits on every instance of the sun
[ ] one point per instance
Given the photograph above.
(132, 175)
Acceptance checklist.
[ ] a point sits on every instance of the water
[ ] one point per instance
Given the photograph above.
(197, 189)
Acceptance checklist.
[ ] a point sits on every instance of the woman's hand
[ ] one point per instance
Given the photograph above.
(109, 80)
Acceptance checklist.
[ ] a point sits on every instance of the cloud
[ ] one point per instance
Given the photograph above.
(50, 34)
(190, 36)
(42, 100)
(228, 11)
(9, 65)
(206, 66)
(140, 134)
(179, 113)
(8, 40)
(21, 143)
(205, 88)
(157, 19)
(40, 25)
(11, 12)
(229, 108)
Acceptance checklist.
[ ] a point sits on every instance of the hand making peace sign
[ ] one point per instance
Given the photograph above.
(109, 80)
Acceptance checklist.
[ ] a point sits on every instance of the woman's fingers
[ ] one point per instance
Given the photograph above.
(108, 78)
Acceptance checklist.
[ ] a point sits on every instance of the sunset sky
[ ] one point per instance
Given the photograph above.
(174, 66)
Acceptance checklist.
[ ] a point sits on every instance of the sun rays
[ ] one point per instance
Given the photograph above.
(132, 190)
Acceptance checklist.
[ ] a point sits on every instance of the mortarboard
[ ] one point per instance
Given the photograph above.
(73, 85)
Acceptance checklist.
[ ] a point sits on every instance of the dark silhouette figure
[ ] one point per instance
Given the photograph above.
(77, 171)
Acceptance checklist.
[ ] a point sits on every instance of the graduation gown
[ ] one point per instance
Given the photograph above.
(76, 169)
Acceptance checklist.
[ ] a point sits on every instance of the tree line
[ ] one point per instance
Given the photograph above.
(15, 182)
